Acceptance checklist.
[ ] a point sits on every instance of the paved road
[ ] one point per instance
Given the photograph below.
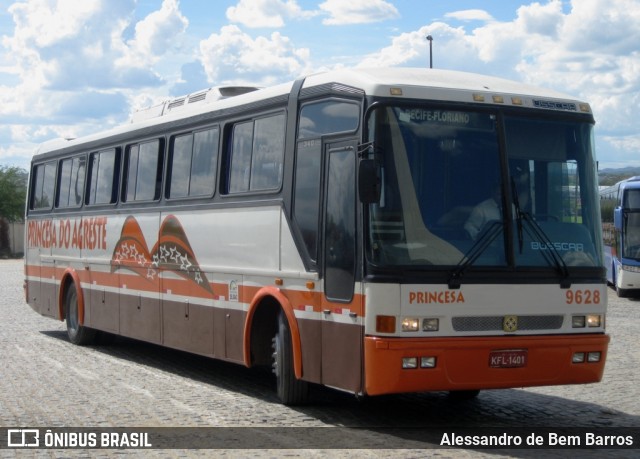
(47, 382)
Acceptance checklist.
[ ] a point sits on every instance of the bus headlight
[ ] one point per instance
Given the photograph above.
(594, 320)
(430, 325)
(410, 324)
(409, 363)
(578, 321)
(589, 320)
(593, 357)
(633, 269)
(427, 362)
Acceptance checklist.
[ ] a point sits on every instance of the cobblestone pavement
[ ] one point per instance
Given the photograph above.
(47, 382)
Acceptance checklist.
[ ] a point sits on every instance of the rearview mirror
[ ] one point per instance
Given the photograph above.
(617, 218)
(369, 182)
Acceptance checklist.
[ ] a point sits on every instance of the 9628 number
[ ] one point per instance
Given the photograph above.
(582, 297)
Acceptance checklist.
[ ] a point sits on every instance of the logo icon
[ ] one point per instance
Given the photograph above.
(23, 438)
(510, 323)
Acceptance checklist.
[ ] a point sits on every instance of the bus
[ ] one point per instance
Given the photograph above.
(375, 231)
(620, 205)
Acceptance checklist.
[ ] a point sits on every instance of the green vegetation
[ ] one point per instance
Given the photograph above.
(13, 191)
(608, 177)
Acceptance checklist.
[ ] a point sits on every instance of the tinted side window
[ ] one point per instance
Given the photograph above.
(307, 193)
(194, 160)
(44, 185)
(144, 171)
(316, 119)
(180, 166)
(340, 226)
(241, 157)
(257, 155)
(103, 176)
(204, 164)
(268, 153)
(72, 172)
(328, 117)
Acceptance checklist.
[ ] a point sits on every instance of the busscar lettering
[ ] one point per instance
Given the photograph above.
(555, 105)
(441, 297)
(87, 233)
(559, 246)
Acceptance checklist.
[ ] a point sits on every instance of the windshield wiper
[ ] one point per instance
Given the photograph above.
(519, 216)
(535, 231)
(490, 233)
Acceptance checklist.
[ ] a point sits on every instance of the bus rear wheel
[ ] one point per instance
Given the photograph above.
(78, 334)
(291, 391)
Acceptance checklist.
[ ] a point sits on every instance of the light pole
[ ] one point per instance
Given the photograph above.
(430, 38)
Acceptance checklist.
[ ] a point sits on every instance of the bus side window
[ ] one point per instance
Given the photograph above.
(257, 155)
(143, 171)
(193, 164)
(317, 118)
(204, 163)
(268, 153)
(43, 186)
(240, 160)
(71, 182)
(103, 176)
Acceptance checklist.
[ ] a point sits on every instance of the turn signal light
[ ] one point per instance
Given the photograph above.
(386, 324)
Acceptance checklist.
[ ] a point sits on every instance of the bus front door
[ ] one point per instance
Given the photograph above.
(341, 329)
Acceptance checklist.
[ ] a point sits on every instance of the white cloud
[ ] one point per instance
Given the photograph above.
(74, 67)
(42, 23)
(232, 56)
(266, 13)
(452, 48)
(157, 33)
(470, 15)
(62, 48)
(343, 12)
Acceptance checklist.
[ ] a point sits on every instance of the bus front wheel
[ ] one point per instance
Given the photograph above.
(78, 334)
(463, 394)
(291, 391)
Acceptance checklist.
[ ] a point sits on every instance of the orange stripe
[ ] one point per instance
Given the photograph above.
(135, 282)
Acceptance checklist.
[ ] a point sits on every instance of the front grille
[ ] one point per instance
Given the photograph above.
(494, 323)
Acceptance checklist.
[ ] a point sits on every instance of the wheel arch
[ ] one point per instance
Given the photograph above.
(70, 276)
(267, 302)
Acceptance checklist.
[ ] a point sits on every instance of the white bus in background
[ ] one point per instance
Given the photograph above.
(322, 227)
(621, 228)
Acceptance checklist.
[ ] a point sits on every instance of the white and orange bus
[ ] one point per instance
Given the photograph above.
(376, 231)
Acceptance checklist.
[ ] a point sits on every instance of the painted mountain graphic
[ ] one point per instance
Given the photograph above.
(171, 253)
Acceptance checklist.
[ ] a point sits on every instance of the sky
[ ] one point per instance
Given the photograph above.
(70, 68)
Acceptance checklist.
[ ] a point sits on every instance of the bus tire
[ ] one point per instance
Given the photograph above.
(291, 391)
(622, 292)
(463, 394)
(78, 334)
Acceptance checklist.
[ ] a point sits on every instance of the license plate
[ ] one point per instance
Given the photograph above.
(508, 358)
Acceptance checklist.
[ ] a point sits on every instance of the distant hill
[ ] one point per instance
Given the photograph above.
(608, 177)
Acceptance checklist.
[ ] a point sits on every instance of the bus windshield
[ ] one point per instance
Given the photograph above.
(482, 188)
